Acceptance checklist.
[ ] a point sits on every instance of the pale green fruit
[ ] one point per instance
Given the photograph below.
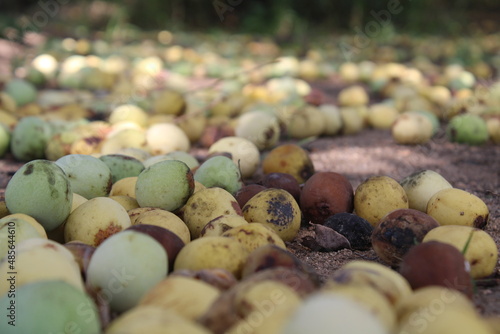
(22, 91)
(125, 266)
(323, 313)
(166, 185)
(40, 189)
(219, 171)
(276, 209)
(38, 259)
(163, 138)
(123, 139)
(421, 186)
(122, 166)
(431, 116)
(89, 176)
(13, 231)
(260, 127)
(95, 220)
(49, 307)
(244, 153)
(467, 129)
(29, 139)
(4, 139)
(205, 205)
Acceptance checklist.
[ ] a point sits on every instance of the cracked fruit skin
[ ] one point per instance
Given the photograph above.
(166, 185)
(276, 209)
(51, 307)
(41, 190)
(96, 220)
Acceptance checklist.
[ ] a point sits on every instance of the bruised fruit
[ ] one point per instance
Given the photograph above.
(82, 253)
(478, 247)
(454, 206)
(254, 235)
(219, 171)
(246, 192)
(422, 267)
(167, 185)
(421, 186)
(277, 209)
(49, 307)
(40, 189)
(377, 196)
(356, 229)
(121, 259)
(96, 220)
(213, 252)
(291, 159)
(219, 225)
(205, 205)
(165, 219)
(89, 176)
(325, 194)
(398, 231)
(259, 127)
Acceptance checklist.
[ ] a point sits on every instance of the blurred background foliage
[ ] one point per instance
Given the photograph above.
(286, 19)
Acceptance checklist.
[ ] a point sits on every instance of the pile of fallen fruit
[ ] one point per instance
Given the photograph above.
(115, 223)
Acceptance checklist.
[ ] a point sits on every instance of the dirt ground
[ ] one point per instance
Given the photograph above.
(373, 152)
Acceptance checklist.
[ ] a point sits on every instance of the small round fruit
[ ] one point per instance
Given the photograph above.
(129, 113)
(50, 307)
(122, 166)
(259, 127)
(421, 186)
(467, 129)
(254, 235)
(398, 231)
(454, 206)
(243, 195)
(213, 252)
(377, 196)
(422, 267)
(17, 227)
(205, 205)
(165, 219)
(96, 220)
(244, 153)
(21, 91)
(29, 139)
(116, 264)
(277, 209)
(283, 181)
(167, 185)
(159, 143)
(291, 159)
(89, 176)
(219, 171)
(124, 187)
(412, 129)
(325, 194)
(40, 189)
(478, 247)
